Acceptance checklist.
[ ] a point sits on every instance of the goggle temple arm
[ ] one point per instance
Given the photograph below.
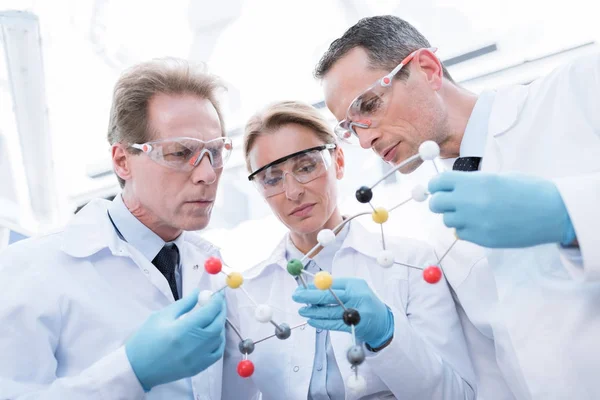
(387, 80)
(146, 148)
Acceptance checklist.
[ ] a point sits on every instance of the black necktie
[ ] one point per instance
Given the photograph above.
(166, 261)
(466, 164)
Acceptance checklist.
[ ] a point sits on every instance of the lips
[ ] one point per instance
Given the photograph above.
(201, 202)
(302, 210)
(389, 154)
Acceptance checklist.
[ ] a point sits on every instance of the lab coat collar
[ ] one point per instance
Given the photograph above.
(476, 131)
(133, 231)
(197, 241)
(91, 231)
(507, 107)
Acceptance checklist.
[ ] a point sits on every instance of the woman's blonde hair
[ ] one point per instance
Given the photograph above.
(283, 113)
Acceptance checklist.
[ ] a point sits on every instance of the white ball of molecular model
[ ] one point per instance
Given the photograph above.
(356, 383)
(429, 150)
(419, 193)
(263, 313)
(385, 258)
(325, 237)
(204, 297)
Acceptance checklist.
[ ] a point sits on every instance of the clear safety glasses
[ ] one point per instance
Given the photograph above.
(305, 166)
(185, 153)
(367, 109)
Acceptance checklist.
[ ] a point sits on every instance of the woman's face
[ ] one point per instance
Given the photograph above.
(302, 207)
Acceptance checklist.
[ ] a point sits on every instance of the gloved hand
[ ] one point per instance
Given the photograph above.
(376, 324)
(501, 211)
(167, 348)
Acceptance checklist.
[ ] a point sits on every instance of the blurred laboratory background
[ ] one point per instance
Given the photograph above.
(59, 61)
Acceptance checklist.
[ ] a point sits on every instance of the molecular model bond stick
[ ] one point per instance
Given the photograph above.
(323, 280)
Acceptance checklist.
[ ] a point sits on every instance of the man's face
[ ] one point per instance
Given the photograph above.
(171, 200)
(414, 110)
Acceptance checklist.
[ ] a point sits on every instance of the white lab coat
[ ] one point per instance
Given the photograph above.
(427, 358)
(545, 321)
(470, 277)
(68, 302)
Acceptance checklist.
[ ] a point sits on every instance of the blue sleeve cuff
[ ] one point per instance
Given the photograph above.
(389, 333)
(569, 236)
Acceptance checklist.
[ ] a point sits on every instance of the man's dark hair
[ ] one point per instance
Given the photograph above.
(386, 39)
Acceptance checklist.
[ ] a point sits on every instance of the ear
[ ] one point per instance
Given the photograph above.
(430, 67)
(340, 163)
(120, 161)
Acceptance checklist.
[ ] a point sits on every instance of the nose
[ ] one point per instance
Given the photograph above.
(204, 173)
(366, 136)
(293, 189)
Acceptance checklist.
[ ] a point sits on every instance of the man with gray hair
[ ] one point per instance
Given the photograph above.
(107, 307)
(522, 188)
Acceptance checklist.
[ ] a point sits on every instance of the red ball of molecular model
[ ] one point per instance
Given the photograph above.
(432, 274)
(245, 368)
(213, 265)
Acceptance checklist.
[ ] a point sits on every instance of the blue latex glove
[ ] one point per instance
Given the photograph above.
(167, 348)
(501, 211)
(376, 324)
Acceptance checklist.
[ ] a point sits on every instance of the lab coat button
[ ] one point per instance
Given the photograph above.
(319, 330)
(296, 368)
(319, 367)
(146, 271)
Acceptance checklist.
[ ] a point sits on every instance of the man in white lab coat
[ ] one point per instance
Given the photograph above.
(106, 308)
(530, 299)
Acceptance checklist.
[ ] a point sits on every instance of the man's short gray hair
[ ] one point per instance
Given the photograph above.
(386, 39)
(137, 85)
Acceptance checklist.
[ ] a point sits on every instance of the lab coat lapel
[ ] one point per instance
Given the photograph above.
(192, 269)
(207, 384)
(505, 114)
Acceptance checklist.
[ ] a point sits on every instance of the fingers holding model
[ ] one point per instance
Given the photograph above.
(501, 210)
(376, 325)
(179, 341)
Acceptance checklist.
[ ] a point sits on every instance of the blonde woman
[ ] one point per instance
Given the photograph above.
(409, 330)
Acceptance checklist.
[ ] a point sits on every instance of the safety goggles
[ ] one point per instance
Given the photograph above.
(305, 166)
(185, 153)
(368, 108)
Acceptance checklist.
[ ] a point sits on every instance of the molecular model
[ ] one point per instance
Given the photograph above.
(323, 280)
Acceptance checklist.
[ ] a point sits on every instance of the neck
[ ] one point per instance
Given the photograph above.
(460, 103)
(306, 241)
(135, 207)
